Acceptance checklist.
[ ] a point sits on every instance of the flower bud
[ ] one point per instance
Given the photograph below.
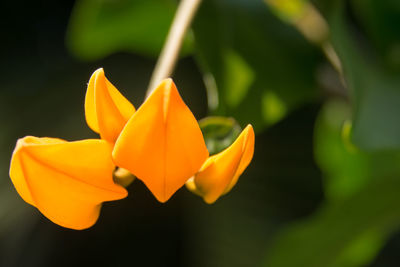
(221, 172)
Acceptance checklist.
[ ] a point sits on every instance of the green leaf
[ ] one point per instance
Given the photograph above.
(98, 28)
(327, 238)
(381, 20)
(373, 81)
(362, 250)
(345, 169)
(288, 10)
(258, 68)
(360, 211)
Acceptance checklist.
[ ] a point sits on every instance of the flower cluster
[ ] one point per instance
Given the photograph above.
(161, 144)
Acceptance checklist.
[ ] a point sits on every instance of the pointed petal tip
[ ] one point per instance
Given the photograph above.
(98, 71)
(249, 128)
(96, 74)
(161, 195)
(106, 109)
(161, 199)
(249, 136)
(209, 201)
(165, 85)
(167, 81)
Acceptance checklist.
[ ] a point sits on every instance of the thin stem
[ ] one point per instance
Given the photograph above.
(309, 22)
(332, 56)
(315, 28)
(169, 54)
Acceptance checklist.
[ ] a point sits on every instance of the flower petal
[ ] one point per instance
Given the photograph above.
(162, 143)
(220, 172)
(106, 109)
(66, 181)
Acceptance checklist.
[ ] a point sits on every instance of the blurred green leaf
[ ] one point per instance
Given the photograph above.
(258, 68)
(360, 212)
(288, 10)
(98, 28)
(381, 20)
(362, 250)
(372, 77)
(345, 170)
(219, 132)
(327, 238)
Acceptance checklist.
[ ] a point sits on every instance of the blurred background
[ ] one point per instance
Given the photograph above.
(319, 80)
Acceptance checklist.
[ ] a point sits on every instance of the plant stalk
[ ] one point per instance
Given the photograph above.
(170, 51)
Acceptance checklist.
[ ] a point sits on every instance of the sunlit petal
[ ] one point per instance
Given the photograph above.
(106, 109)
(220, 172)
(162, 143)
(66, 181)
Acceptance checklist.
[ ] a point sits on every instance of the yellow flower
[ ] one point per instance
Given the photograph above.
(66, 181)
(162, 143)
(220, 172)
(106, 109)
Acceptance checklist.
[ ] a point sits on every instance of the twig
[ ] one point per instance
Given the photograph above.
(170, 52)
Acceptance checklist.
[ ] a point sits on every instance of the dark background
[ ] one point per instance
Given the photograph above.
(42, 88)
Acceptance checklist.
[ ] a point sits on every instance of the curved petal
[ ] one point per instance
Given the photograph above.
(106, 109)
(220, 172)
(66, 181)
(162, 143)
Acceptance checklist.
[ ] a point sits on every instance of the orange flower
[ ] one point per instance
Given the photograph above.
(66, 181)
(106, 109)
(162, 143)
(220, 172)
